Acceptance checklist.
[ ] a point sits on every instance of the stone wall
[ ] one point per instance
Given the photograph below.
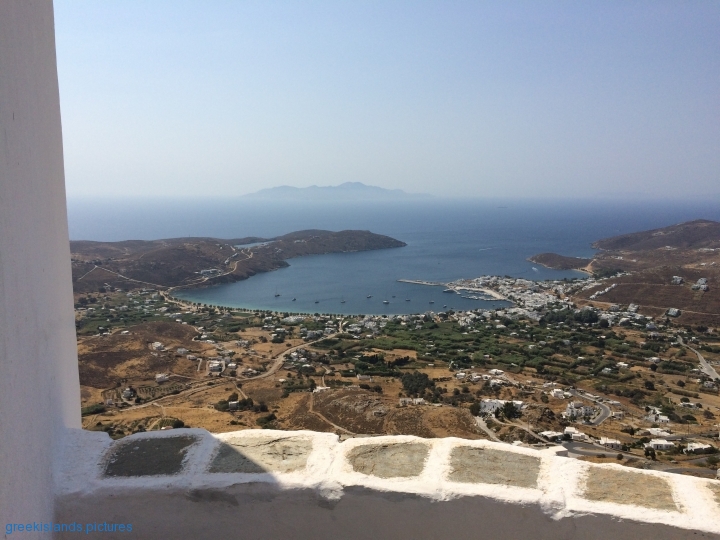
(260, 484)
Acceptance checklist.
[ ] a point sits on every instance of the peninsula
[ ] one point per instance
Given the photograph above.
(672, 268)
(196, 262)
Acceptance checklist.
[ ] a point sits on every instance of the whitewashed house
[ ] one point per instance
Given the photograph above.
(659, 444)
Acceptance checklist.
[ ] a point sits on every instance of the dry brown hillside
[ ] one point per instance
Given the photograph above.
(179, 261)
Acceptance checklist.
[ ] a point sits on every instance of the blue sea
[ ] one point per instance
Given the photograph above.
(446, 240)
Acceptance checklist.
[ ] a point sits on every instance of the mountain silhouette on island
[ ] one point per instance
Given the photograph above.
(349, 191)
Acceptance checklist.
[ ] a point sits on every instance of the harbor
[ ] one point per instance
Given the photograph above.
(473, 290)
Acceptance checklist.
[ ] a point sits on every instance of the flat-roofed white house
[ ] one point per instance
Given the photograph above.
(612, 444)
(660, 444)
(699, 448)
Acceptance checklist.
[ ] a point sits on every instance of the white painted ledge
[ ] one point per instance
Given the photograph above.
(310, 485)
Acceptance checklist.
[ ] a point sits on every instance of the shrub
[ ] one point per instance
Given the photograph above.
(93, 409)
(222, 405)
(263, 421)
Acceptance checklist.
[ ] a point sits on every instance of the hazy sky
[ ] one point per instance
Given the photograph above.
(457, 98)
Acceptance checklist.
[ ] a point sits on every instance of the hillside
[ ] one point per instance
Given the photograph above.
(197, 261)
(696, 234)
(560, 262)
(689, 250)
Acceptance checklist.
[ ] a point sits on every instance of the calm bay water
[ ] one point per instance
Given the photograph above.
(446, 240)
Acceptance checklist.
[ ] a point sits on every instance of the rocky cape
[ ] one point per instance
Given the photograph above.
(649, 262)
(197, 262)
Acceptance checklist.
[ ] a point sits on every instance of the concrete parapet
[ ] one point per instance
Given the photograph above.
(277, 484)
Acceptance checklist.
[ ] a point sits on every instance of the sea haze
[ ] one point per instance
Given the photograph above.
(446, 240)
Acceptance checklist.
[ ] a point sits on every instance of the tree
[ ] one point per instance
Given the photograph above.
(509, 410)
(475, 409)
(415, 383)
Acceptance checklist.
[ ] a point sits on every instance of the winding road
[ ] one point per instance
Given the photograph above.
(278, 362)
(704, 365)
(605, 411)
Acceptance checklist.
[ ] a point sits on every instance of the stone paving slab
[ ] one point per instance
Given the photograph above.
(262, 454)
(148, 457)
(623, 487)
(487, 466)
(389, 460)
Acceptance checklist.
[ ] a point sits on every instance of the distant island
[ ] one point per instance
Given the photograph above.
(181, 262)
(347, 192)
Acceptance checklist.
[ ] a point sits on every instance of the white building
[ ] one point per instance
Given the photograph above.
(577, 409)
(161, 377)
(612, 444)
(698, 448)
(575, 434)
(411, 401)
(657, 432)
(660, 444)
(489, 406)
(552, 435)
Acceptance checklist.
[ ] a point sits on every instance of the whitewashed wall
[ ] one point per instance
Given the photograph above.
(39, 388)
